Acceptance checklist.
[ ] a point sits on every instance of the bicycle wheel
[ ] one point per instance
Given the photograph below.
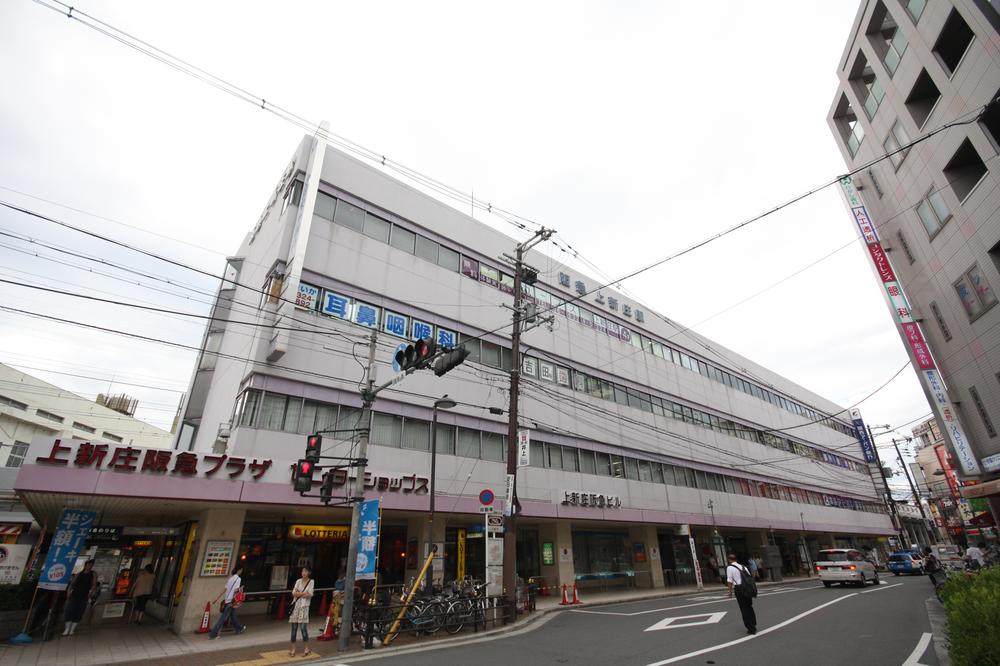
(434, 612)
(457, 613)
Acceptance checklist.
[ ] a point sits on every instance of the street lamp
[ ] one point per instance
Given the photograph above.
(442, 403)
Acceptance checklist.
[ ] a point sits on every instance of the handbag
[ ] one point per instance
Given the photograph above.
(239, 598)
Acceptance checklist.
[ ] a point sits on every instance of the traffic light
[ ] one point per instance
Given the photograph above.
(326, 489)
(314, 444)
(302, 478)
(416, 356)
(450, 359)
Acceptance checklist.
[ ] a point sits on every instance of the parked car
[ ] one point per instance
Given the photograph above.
(906, 562)
(845, 565)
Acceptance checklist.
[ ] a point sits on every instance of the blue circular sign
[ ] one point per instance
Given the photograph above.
(402, 347)
(486, 497)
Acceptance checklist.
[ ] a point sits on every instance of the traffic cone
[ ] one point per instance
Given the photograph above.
(565, 599)
(327, 634)
(206, 620)
(281, 607)
(323, 607)
(576, 597)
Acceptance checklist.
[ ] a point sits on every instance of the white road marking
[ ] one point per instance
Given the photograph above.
(711, 597)
(880, 587)
(672, 623)
(670, 608)
(913, 659)
(749, 638)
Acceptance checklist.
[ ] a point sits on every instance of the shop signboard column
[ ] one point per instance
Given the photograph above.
(368, 541)
(494, 554)
(920, 352)
(67, 542)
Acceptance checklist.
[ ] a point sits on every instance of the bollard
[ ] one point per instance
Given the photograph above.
(565, 599)
(206, 620)
(576, 597)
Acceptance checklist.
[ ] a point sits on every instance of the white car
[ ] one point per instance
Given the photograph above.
(845, 565)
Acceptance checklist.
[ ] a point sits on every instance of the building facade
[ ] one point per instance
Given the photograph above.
(652, 450)
(929, 213)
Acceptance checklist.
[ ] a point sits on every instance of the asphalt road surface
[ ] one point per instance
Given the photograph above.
(800, 623)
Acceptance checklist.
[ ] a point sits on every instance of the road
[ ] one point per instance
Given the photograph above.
(797, 624)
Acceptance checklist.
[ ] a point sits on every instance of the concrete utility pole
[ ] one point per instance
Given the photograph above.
(896, 522)
(510, 530)
(913, 488)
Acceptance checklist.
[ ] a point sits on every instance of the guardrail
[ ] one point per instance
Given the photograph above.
(427, 616)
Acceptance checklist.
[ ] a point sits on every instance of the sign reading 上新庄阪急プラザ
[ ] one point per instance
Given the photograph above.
(921, 353)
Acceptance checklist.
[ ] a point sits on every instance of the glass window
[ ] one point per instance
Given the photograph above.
(448, 259)
(16, 456)
(416, 435)
(529, 366)
(403, 239)
(603, 462)
(546, 371)
(292, 413)
(324, 206)
(555, 455)
(587, 464)
(307, 421)
(621, 395)
(631, 469)
(506, 360)
(272, 412)
(468, 443)
(975, 293)
(668, 475)
(915, 8)
(349, 215)
(537, 456)
(377, 228)
(896, 139)
(579, 381)
(569, 459)
(490, 354)
(933, 212)
(386, 430)
(587, 317)
(617, 467)
(493, 446)
(445, 439)
(474, 349)
(657, 470)
(427, 249)
(326, 418)
(645, 471)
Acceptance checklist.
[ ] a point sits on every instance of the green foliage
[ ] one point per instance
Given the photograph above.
(16, 597)
(973, 605)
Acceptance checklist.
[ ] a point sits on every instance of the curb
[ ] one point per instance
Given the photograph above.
(939, 624)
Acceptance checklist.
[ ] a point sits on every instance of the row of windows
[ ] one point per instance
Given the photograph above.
(329, 209)
(16, 456)
(272, 411)
(10, 402)
(652, 404)
(49, 416)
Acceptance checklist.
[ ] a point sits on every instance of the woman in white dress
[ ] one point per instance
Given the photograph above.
(302, 593)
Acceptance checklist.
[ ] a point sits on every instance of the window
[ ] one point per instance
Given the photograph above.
(537, 454)
(468, 443)
(377, 228)
(248, 408)
(603, 461)
(587, 464)
(617, 467)
(915, 8)
(942, 324)
(569, 459)
(416, 435)
(922, 98)
(867, 86)
(445, 439)
(493, 446)
(886, 38)
(491, 355)
(990, 121)
(632, 469)
(448, 259)
(10, 402)
(16, 456)
(386, 430)
(49, 416)
(981, 408)
(975, 293)
(427, 249)
(905, 245)
(933, 212)
(964, 170)
(324, 206)
(84, 427)
(403, 239)
(349, 215)
(111, 436)
(213, 342)
(953, 42)
(555, 455)
(897, 139)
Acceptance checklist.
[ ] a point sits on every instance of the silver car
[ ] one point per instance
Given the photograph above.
(845, 566)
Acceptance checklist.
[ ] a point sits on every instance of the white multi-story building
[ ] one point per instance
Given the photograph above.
(930, 214)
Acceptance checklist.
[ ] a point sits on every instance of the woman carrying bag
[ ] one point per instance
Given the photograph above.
(302, 594)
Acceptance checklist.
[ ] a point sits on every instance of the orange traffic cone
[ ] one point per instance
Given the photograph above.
(323, 607)
(576, 597)
(327, 634)
(565, 599)
(206, 620)
(281, 607)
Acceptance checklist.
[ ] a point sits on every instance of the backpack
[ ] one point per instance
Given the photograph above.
(747, 587)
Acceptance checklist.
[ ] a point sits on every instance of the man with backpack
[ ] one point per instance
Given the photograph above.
(741, 584)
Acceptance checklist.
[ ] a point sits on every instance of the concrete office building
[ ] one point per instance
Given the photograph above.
(909, 68)
(644, 439)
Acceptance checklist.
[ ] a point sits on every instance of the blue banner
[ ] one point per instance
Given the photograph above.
(368, 540)
(867, 447)
(67, 542)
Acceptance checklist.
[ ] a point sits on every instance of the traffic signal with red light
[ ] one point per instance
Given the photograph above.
(416, 356)
(302, 478)
(314, 444)
(450, 360)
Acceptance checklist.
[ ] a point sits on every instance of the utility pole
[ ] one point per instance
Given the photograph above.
(913, 488)
(357, 495)
(896, 522)
(528, 275)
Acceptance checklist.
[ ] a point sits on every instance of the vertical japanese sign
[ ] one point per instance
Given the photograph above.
(67, 542)
(867, 446)
(460, 560)
(921, 353)
(523, 448)
(368, 540)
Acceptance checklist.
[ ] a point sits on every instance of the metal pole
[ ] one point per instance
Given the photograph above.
(913, 488)
(896, 522)
(510, 534)
(429, 581)
(358, 494)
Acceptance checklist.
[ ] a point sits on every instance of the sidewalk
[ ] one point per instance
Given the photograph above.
(266, 640)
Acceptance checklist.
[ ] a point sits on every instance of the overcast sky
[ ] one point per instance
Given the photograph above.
(632, 129)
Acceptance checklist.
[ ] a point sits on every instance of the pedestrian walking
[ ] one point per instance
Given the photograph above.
(142, 589)
(735, 573)
(760, 566)
(974, 556)
(233, 586)
(752, 565)
(302, 593)
(78, 596)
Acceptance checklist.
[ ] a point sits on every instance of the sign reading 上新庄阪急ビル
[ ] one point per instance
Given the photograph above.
(596, 500)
